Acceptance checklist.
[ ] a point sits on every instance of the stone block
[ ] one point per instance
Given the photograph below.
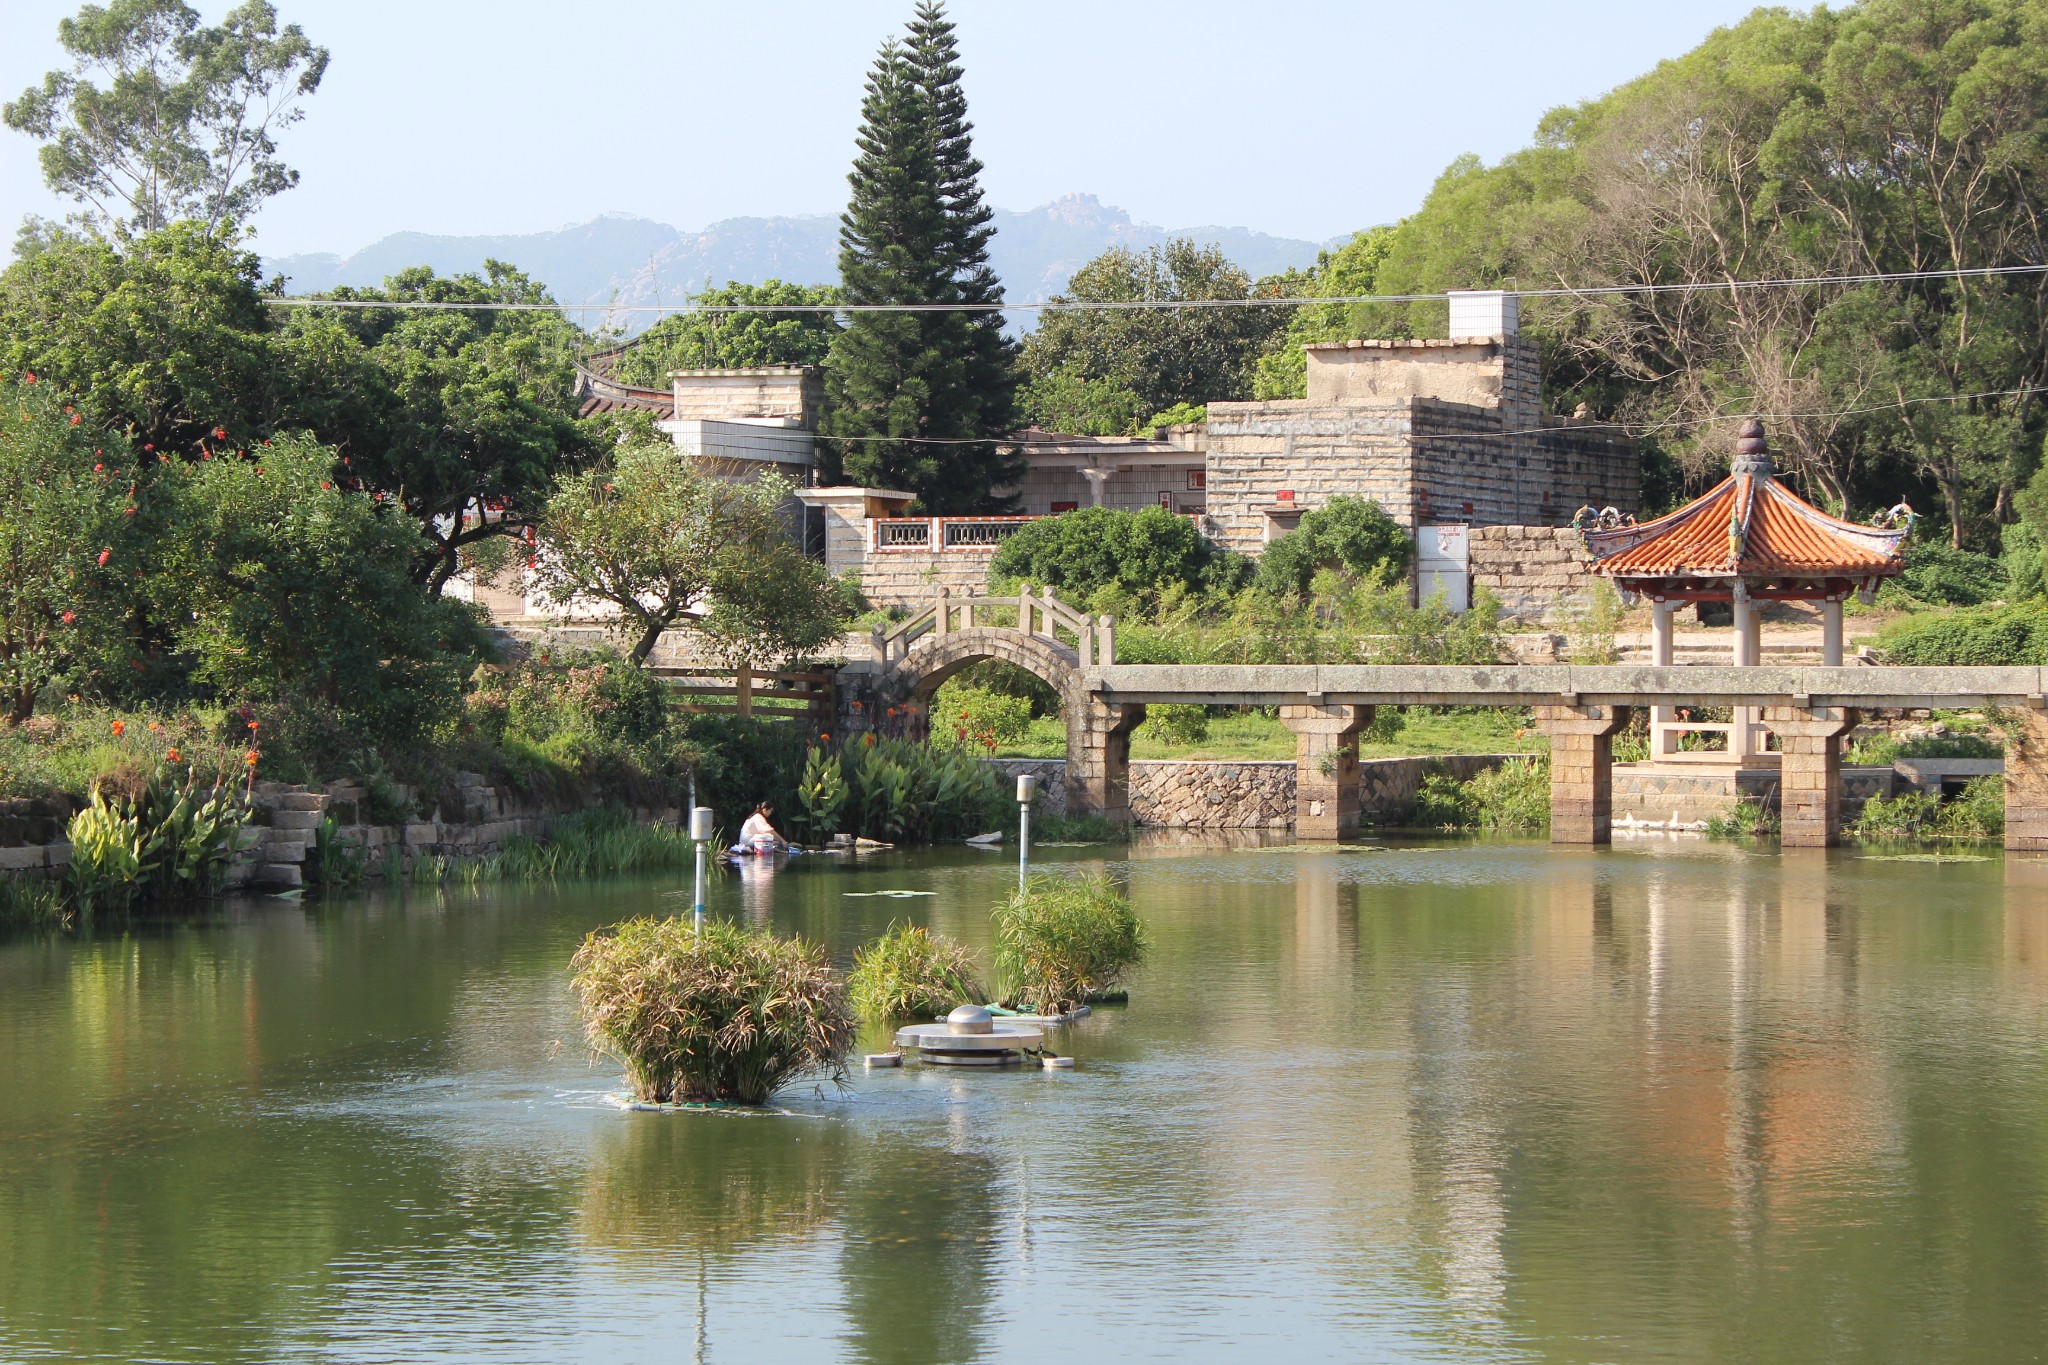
(23, 858)
(421, 834)
(299, 801)
(279, 875)
(296, 819)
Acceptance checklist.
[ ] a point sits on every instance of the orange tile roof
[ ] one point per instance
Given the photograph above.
(1746, 526)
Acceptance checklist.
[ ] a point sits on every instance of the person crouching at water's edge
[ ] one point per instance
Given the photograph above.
(758, 834)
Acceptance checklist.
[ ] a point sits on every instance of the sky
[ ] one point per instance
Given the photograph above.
(1301, 118)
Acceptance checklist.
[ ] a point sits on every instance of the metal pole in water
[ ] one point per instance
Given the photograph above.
(1027, 787)
(700, 834)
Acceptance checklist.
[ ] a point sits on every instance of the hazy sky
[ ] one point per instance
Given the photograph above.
(1305, 118)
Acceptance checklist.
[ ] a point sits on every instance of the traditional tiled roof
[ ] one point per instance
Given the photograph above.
(1747, 526)
(601, 394)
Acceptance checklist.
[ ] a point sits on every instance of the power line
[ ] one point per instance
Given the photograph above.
(1153, 305)
(1629, 428)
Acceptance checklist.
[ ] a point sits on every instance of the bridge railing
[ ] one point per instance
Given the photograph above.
(1037, 613)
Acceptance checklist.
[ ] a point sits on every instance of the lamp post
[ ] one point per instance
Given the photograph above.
(1027, 787)
(700, 834)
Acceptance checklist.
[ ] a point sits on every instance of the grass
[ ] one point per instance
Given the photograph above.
(912, 973)
(722, 1014)
(1746, 819)
(1074, 829)
(1976, 812)
(32, 902)
(1251, 734)
(1511, 798)
(1061, 940)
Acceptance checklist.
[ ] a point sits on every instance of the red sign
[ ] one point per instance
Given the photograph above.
(1060, 507)
(1198, 480)
(1285, 495)
(1166, 500)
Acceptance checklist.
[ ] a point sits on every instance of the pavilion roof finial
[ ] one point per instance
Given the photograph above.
(1752, 451)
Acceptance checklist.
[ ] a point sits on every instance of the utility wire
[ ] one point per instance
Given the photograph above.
(1150, 305)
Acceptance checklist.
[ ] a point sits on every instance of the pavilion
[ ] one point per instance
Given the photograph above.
(1747, 541)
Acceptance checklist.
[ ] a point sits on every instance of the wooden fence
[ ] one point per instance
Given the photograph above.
(808, 696)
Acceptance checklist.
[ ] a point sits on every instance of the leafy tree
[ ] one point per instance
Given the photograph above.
(279, 585)
(162, 337)
(915, 398)
(1067, 402)
(1092, 548)
(1162, 356)
(651, 537)
(730, 341)
(1346, 533)
(185, 123)
(62, 503)
(1348, 272)
(463, 418)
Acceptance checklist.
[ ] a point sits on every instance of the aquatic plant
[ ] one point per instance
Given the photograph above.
(32, 902)
(1976, 812)
(821, 794)
(1511, 797)
(1746, 819)
(912, 973)
(720, 1012)
(1060, 940)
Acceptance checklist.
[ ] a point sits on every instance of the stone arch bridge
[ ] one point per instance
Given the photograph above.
(1326, 706)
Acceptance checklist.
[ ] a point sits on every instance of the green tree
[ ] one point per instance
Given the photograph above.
(279, 585)
(916, 398)
(1348, 272)
(463, 418)
(1091, 548)
(163, 337)
(732, 341)
(652, 538)
(185, 122)
(1162, 357)
(63, 502)
(1346, 533)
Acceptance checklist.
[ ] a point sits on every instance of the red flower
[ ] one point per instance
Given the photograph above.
(105, 555)
(148, 446)
(220, 433)
(128, 511)
(99, 469)
(324, 485)
(69, 617)
(259, 469)
(76, 419)
(31, 376)
(205, 454)
(174, 756)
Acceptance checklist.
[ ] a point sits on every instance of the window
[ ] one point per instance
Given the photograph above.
(1198, 480)
(1060, 507)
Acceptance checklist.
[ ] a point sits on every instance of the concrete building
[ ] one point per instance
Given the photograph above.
(737, 421)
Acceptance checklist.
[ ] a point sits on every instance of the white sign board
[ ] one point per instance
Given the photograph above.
(1443, 565)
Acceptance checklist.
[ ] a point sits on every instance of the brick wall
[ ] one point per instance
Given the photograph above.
(1541, 574)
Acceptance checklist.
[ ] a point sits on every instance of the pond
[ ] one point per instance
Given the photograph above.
(1431, 1101)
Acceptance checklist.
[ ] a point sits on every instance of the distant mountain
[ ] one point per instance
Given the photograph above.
(621, 260)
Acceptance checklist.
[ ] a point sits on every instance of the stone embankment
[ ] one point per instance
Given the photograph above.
(471, 819)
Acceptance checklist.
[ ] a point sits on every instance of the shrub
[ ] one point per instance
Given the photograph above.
(911, 973)
(1972, 636)
(1179, 415)
(1084, 551)
(1174, 723)
(1942, 575)
(721, 1013)
(1511, 797)
(164, 844)
(1347, 533)
(1061, 940)
(1746, 819)
(908, 792)
(976, 716)
(1904, 816)
(1976, 812)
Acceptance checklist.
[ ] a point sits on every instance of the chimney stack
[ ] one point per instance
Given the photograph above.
(1479, 313)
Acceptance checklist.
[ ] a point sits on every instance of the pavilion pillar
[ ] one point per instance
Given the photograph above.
(1810, 772)
(1099, 755)
(1581, 770)
(1831, 633)
(1325, 768)
(1660, 633)
(2026, 782)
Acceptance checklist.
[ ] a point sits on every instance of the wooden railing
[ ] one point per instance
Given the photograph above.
(1040, 614)
(799, 695)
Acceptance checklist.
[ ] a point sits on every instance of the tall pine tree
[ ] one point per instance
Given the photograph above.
(917, 231)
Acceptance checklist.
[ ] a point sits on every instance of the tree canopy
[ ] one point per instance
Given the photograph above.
(915, 399)
(182, 123)
(733, 341)
(1102, 372)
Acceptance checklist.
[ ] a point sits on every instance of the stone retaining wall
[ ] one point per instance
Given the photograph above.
(1542, 575)
(1688, 795)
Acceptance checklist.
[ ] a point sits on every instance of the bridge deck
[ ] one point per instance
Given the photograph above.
(1525, 685)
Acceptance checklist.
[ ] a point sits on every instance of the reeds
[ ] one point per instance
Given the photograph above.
(1060, 941)
(912, 973)
(718, 1013)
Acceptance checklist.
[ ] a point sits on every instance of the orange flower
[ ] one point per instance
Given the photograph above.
(252, 725)
(825, 738)
(250, 758)
(152, 727)
(867, 741)
(105, 555)
(120, 728)
(174, 756)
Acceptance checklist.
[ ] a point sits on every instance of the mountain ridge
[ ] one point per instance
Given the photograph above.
(621, 259)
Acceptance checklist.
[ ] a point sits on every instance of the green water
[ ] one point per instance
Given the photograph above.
(1496, 1102)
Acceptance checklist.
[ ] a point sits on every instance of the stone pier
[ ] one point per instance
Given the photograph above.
(2026, 782)
(1809, 772)
(1099, 755)
(1581, 770)
(1325, 768)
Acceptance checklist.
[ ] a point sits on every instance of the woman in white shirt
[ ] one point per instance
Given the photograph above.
(758, 833)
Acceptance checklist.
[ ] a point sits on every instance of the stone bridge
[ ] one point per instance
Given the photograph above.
(1326, 706)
